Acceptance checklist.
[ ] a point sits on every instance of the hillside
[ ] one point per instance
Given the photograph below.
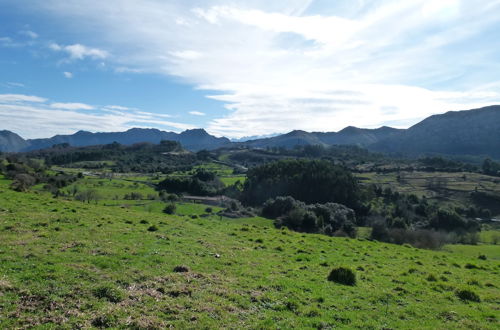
(468, 132)
(10, 142)
(71, 264)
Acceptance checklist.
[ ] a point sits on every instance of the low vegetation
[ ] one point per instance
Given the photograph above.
(103, 248)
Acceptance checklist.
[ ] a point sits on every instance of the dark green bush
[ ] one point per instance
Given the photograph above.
(170, 208)
(181, 269)
(431, 278)
(468, 295)
(153, 228)
(342, 275)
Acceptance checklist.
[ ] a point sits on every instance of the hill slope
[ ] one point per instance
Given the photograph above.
(468, 132)
(11, 142)
(75, 265)
(348, 136)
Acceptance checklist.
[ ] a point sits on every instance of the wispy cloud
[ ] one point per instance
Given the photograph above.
(16, 98)
(11, 84)
(280, 65)
(80, 52)
(197, 113)
(29, 34)
(68, 74)
(33, 117)
(71, 106)
(117, 107)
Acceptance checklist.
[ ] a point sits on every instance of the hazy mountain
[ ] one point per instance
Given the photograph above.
(10, 141)
(467, 132)
(193, 140)
(288, 140)
(362, 137)
(254, 137)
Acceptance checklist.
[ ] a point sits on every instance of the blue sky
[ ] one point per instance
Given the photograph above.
(242, 68)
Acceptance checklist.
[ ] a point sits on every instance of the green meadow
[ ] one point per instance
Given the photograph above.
(118, 263)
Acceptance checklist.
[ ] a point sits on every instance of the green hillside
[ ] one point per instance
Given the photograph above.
(68, 264)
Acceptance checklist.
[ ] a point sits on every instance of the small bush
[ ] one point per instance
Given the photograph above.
(181, 269)
(471, 266)
(342, 275)
(209, 210)
(468, 295)
(482, 257)
(109, 293)
(144, 222)
(431, 278)
(153, 228)
(170, 208)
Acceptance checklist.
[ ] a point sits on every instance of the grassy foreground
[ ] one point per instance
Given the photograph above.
(65, 264)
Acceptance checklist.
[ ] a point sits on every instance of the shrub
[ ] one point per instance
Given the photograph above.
(109, 293)
(181, 269)
(471, 266)
(153, 228)
(342, 275)
(482, 257)
(170, 208)
(279, 206)
(209, 210)
(468, 295)
(431, 278)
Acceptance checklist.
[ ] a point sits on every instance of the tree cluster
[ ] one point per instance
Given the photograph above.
(201, 183)
(310, 181)
(329, 218)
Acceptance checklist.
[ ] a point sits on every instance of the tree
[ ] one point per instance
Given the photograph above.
(310, 181)
(22, 182)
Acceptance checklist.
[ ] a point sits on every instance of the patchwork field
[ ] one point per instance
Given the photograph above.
(69, 264)
(451, 188)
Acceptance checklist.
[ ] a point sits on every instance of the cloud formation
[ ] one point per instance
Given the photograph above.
(197, 113)
(281, 65)
(80, 52)
(34, 117)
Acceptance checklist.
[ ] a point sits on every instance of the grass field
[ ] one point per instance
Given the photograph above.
(66, 264)
(451, 188)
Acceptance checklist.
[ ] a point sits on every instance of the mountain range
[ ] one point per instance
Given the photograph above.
(468, 132)
(193, 139)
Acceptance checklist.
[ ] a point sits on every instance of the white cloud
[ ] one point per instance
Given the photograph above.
(197, 113)
(11, 84)
(15, 98)
(80, 52)
(29, 34)
(117, 107)
(187, 55)
(277, 66)
(46, 120)
(71, 106)
(68, 74)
